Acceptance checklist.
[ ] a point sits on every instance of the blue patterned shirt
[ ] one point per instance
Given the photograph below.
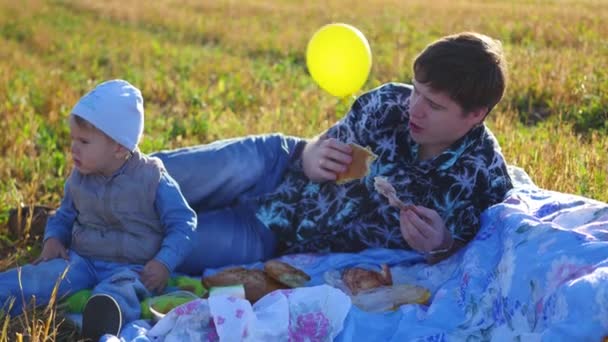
(459, 183)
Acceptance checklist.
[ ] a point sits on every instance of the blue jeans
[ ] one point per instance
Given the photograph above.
(121, 281)
(221, 181)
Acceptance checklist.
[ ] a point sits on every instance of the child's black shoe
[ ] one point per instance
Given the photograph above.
(101, 316)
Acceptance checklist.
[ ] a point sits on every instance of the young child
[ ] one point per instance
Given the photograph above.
(123, 224)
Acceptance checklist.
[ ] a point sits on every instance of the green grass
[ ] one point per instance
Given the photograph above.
(217, 69)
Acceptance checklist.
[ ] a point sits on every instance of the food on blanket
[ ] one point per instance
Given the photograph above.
(359, 279)
(286, 274)
(232, 290)
(160, 305)
(387, 190)
(386, 298)
(257, 283)
(359, 167)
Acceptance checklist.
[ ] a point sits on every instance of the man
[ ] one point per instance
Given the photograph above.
(259, 196)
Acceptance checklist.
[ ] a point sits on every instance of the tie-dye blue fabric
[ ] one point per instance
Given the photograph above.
(459, 183)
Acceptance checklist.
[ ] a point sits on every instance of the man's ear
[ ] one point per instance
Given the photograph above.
(477, 115)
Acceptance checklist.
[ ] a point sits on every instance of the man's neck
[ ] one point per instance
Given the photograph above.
(427, 152)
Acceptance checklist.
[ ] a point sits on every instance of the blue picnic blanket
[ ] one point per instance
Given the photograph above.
(536, 271)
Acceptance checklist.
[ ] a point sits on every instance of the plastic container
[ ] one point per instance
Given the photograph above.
(160, 305)
(231, 290)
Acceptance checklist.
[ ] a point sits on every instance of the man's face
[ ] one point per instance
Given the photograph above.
(437, 121)
(92, 151)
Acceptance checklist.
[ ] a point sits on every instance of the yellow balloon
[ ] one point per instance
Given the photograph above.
(339, 59)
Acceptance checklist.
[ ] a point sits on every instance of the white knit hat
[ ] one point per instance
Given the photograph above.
(116, 108)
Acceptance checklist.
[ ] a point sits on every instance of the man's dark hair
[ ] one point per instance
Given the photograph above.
(469, 66)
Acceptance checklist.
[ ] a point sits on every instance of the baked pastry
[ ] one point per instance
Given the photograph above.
(360, 279)
(362, 158)
(257, 283)
(285, 273)
(386, 298)
(387, 190)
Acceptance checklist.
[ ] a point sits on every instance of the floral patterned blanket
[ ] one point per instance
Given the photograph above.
(536, 271)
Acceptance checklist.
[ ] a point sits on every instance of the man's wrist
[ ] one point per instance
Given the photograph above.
(443, 250)
(446, 245)
(298, 150)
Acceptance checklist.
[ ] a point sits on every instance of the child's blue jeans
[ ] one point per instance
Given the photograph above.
(121, 281)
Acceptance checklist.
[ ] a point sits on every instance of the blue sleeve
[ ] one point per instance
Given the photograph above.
(178, 221)
(60, 224)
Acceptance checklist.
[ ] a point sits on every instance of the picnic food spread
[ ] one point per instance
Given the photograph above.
(258, 283)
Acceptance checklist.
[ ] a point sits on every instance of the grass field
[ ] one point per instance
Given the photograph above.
(217, 69)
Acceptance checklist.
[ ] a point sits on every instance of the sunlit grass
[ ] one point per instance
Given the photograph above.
(218, 69)
(36, 323)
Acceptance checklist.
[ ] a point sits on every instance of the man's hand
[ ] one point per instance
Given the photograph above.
(53, 248)
(323, 159)
(154, 276)
(424, 230)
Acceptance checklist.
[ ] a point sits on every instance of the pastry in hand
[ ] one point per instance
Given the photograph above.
(362, 158)
(360, 279)
(285, 273)
(386, 189)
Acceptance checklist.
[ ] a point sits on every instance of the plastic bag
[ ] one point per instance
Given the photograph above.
(382, 298)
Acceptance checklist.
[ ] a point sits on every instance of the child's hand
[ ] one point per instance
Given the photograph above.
(154, 276)
(53, 248)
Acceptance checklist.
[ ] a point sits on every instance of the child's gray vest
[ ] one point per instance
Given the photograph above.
(116, 219)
